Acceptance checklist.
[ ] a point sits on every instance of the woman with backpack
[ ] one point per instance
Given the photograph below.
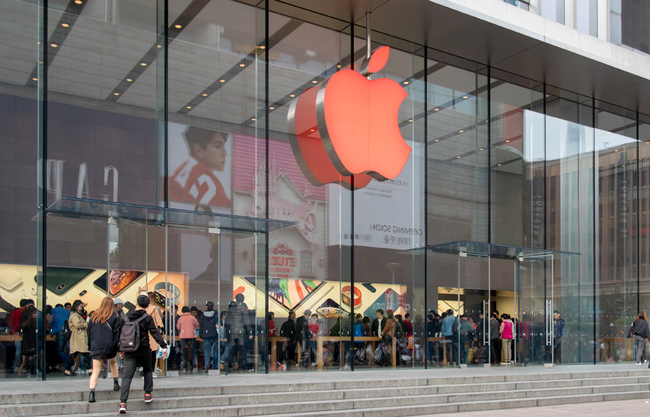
(104, 335)
(78, 335)
(641, 332)
(507, 334)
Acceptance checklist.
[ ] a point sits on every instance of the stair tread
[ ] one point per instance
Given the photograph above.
(360, 410)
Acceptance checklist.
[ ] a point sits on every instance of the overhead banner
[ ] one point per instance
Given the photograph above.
(388, 214)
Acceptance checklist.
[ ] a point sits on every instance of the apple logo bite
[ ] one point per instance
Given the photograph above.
(348, 126)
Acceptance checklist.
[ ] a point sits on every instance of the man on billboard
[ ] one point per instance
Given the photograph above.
(194, 181)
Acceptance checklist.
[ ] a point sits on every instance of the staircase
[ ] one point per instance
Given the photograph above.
(375, 396)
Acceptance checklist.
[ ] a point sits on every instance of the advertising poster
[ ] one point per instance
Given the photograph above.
(200, 166)
(389, 220)
(328, 299)
(65, 285)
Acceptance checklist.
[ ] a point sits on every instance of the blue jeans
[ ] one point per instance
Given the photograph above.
(18, 358)
(60, 347)
(211, 345)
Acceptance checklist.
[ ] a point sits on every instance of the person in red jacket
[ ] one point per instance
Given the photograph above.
(14, 327)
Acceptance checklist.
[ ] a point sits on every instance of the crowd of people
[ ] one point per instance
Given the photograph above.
(232, 339)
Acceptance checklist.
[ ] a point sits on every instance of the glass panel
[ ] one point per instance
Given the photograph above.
(617, 286)
(535, 337)
(570, 225)
(553, 10)
(587, 16)
(21, 144)
(475, 291)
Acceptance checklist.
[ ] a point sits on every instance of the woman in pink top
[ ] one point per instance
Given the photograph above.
(187, 326)
(507, 334)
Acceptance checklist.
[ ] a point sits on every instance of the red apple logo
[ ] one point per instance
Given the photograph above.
(349, 126)
(308, 148)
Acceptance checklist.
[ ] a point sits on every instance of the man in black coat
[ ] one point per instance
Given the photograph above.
(378, 323)
(304, 335)
(290, 333)
(141, 357)
(209, 332)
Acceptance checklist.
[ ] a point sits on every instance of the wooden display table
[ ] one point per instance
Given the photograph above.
(444, 348)
(319, 348)
(609, 342)
(19, 338)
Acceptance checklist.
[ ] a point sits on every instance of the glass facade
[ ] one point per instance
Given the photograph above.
(151, 146)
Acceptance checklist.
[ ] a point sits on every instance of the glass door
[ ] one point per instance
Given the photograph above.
(475, 308)
(213, 293)
(535, 338)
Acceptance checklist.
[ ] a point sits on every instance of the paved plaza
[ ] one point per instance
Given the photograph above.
(632, 408)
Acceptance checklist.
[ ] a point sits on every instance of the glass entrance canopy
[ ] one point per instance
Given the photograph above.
(161, 216)
(492, 250)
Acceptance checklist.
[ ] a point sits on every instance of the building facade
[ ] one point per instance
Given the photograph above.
(152, 146)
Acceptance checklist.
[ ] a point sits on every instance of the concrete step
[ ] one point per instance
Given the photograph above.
(448, 385)
(316, 401)
(394, 411)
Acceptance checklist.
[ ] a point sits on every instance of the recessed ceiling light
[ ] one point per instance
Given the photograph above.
(34, 79)
(616, 150)
(204, 94)
(222, 81)
(647, 141)
(481, 149)
(508, 141)
(461, 131)
(406, 82)
(78, 1)
(464, 96)
(313, 130)
(486, 121)
(159, 46)
(292, 95)
(116, 94)
(54, 45)
(65, 25)
(437, 109)
(144, 64)
(314, 81)
(623, 165)
(410, 120)
(437, 140)
(458, 157)
(262, 47)
(242, 65)
(189, 107)
(498, 165)
(128, 80)
(272, 108)
(253, 119)
(338, 66)
(178, 26)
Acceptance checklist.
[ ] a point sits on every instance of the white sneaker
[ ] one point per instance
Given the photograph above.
(645, 361)
(638, 363)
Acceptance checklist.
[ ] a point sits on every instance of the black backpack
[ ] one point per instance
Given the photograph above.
(130, 336)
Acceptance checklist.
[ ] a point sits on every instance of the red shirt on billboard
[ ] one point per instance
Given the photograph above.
(194, 181)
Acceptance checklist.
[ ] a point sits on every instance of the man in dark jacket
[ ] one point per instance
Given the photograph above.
(304, 335)
(494, 338)
(142, 357)
(237, 330)
(289, 332)
(209, 332)
(378, 323)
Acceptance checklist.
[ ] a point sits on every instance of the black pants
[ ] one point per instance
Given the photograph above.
(495, 350)
(131, 362)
